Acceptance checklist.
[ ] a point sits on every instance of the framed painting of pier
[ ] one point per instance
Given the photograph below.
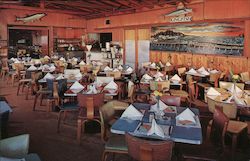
(204, 38)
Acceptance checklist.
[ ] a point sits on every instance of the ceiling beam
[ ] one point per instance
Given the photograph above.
(8, 6)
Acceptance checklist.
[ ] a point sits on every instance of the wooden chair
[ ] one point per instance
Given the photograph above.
(65, 107)
(117, 75)
(245, 76)
(114, 144)
(235, 128)
(212, 82)
(214, 145)
(171, 100)
(19, 72)
(5, 68)
(146, 150)
(89, 110)
(162, 86)
(85, 68)
(26, 81)
(44, 92)
(194, 102)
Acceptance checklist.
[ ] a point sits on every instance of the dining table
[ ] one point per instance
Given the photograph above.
(173, 130)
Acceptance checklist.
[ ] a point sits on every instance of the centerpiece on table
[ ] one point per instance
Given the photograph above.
(158, 96)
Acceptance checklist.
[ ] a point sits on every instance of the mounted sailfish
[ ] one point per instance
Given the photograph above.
(181, 10)
(31, 18)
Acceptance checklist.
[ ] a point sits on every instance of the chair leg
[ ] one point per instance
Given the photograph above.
(18, 88)
(59, 121)
(35, 100)
(79, 130)
(27, 92)
(41, 100)
(23, 87)
(104, 155)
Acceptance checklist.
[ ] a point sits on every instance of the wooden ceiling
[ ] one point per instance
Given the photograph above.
(90, 8)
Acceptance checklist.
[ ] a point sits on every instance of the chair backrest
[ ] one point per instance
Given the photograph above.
(229, 109)
(245, 76)
(107, 114)
(4, 62)
(191, 88)
(116, 75)
(171, 100)
(90, 102)
(159, 85)
(214, 77)
(181, 70)
(219, 125)
(145, 150)
(226, 85)
(85, 68)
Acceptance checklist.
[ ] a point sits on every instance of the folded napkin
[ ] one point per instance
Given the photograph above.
(238, 101)
(147, 77)
(161, 65)
(60, 77)
(13, 59)
(45, 67)
(153, 65)
(78, 76)
(115, 70)
(49, 76)
(107, 68)
(46, 57)
(176, 78)
(92, 90)
(17, 61)
(52, 68)
(235, 89)
(162, 107)
(76, 87)
(168, 64)
(62, 59)
(111, 85)
(82, 63)
(186, 117)
(201, 69)
(120, 67)
(213, 92)
(204, 72)
(132, 113)
(40, 68)
(32, 68)
(158, 79)
(192, 71)
(214, 71)
(158, 74)
(229, 100)
(155, 129)
(129, 69)
(74, 59)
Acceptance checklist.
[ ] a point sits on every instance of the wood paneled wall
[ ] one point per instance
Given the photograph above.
(224, 63)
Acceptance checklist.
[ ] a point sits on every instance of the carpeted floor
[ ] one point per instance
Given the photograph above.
(53, 146)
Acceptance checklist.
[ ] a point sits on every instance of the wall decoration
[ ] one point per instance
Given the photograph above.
(31, 18)
(204, 38)
(180, 14)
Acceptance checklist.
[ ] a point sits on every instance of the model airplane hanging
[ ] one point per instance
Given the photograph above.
(31, 18)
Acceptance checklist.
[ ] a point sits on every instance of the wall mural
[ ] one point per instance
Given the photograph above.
(204, 38)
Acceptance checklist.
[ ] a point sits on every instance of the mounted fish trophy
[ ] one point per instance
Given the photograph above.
(31, 18)
(180, 13)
